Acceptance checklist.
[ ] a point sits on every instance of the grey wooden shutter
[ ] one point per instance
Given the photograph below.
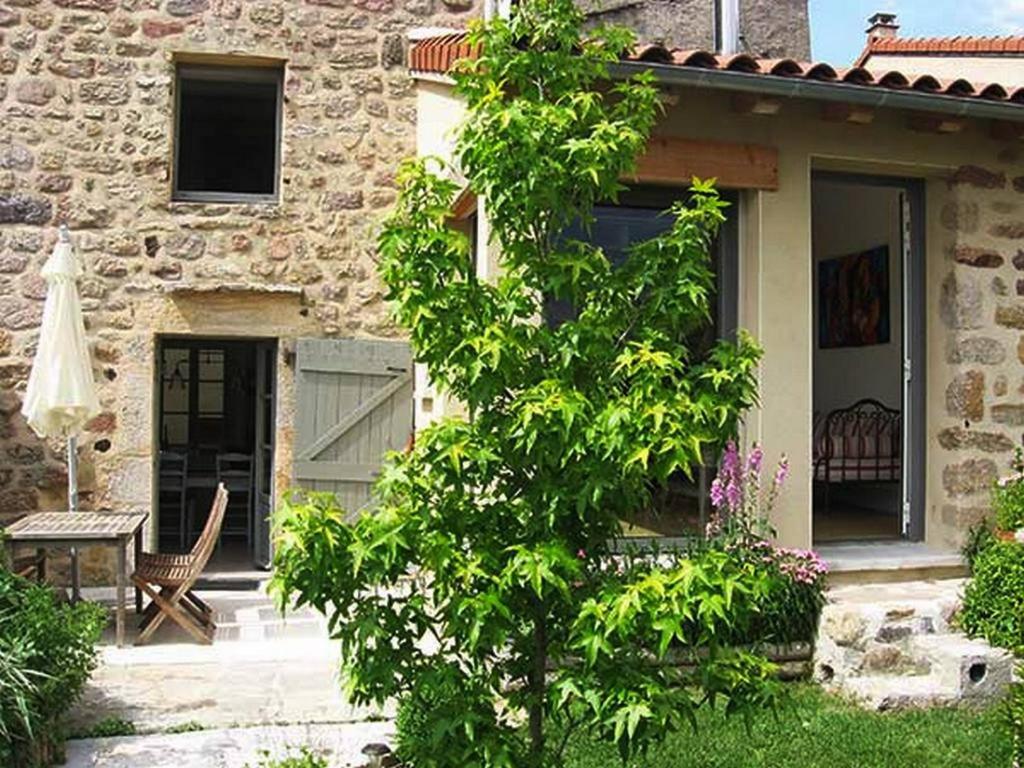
(353, 404)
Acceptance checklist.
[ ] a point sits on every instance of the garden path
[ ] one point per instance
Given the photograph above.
(341, 745)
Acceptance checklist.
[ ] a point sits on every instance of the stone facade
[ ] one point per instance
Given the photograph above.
(978, 344)
(86, 117)
(768, 28)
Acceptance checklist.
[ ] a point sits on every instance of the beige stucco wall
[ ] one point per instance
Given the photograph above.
(974, 188)
(1005, 70)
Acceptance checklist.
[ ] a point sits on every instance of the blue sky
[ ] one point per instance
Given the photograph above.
(837, 26)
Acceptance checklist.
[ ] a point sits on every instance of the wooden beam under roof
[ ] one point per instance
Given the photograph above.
(756, 104)
(676, 161)
(928, 123)
(841, 112)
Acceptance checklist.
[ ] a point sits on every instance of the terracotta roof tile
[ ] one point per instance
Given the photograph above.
(438, 54)
(1011, 45)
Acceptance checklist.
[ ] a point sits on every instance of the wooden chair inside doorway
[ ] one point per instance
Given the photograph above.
(168, 580)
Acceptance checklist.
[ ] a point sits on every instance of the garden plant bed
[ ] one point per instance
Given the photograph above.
(815, 730)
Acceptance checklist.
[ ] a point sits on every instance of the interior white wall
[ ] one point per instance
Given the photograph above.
(849, 219)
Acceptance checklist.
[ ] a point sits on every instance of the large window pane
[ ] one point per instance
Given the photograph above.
(680, 509)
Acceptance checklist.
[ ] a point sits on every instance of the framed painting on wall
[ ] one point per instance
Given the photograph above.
(853, 299)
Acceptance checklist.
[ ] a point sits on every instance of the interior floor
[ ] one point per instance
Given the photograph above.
(231, 557)
(848, 523)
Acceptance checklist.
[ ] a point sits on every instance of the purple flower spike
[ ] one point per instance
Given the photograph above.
(733, 494)
(782, 472)
(717, 493)
(755, 458)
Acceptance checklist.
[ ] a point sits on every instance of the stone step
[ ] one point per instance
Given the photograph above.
(896, 645)
(883, 693)
(889, 613)
(879, 563)
(972, 669)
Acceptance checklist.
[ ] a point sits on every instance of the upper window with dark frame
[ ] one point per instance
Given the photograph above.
(227, 133)
(641, 213)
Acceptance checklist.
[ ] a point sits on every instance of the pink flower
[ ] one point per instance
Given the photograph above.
(782, 472)
(581, 554)
(717, 493)
(755, 458)
(733, 494)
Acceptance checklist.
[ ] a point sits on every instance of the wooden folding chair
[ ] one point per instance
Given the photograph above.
(168, 580)
(31, 566)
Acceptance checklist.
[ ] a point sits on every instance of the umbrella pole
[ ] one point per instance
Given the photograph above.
(76, 580)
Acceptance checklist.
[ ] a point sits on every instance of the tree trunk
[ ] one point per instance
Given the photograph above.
(537, 680)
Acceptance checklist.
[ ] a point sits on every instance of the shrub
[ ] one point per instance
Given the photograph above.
(979, 538)
(790, 609)
(1015, 720)
(430, 716)
(1008, 496)
(47, 652)
(107, 728)
(993, 606)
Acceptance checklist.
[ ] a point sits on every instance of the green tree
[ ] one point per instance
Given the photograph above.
(505, 516)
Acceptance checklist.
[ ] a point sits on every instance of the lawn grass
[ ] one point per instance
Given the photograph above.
(818, 731)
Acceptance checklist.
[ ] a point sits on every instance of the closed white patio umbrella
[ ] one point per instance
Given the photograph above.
(61, 393)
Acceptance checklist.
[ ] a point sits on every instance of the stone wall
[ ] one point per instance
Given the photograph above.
(86, 114)
(977, 386)
(769, 28)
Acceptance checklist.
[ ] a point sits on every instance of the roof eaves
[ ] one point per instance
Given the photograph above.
(820, 90)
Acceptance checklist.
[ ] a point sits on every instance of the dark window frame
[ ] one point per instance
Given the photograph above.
(242, 73)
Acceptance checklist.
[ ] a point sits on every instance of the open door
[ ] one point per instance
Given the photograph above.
(868, 438)
(263, 454)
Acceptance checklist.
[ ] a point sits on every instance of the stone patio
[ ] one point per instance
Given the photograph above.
(229, 748)
(262, 669)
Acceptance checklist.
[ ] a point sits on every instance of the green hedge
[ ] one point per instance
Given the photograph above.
(993, 605)
(47, 652)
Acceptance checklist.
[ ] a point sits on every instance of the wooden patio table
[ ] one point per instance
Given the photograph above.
(63, 530)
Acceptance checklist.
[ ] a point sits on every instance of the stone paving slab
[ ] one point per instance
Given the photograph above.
(340, 743)
(262, 669)
(298, 684)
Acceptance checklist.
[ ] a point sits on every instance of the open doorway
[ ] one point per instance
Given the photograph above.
(215, 420)
(866, 338)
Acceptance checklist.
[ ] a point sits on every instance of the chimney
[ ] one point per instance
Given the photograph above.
(727, 26)
(882, 25)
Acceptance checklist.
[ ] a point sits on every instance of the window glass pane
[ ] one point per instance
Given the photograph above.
(175, 396)
(680, 508)
(175, 432)
(211, 365)
(211, 398)
(227, 135)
